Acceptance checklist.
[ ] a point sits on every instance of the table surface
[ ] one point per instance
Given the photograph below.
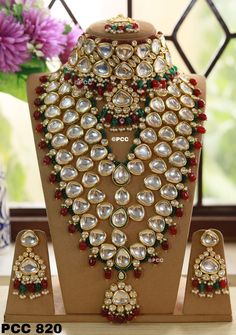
(217, 328)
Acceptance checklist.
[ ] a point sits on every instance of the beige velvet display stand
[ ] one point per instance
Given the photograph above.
(83, 286)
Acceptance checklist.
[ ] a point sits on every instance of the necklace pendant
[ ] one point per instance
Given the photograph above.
(120, 303)
(121, 176)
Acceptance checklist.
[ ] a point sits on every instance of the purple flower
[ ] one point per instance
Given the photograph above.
(71, 39)
(13, 44)
(46, 33)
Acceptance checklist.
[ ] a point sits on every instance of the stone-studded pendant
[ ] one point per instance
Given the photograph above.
(120, 303)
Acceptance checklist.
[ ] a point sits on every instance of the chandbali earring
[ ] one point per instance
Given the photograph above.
(209, 269)
(29, 270)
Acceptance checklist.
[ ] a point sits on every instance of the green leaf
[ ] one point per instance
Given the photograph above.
(67, 29)
(17, 11)
(15, 83)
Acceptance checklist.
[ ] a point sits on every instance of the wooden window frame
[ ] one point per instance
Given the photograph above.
(219, 217)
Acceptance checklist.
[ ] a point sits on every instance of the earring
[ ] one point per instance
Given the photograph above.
(29, 270)
(209, 269)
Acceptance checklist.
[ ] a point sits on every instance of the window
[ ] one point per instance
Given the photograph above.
(202, 38)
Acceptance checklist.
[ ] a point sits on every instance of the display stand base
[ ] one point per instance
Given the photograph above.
(60, 316)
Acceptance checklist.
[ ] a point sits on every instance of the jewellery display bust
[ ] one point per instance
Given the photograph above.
(118, 136)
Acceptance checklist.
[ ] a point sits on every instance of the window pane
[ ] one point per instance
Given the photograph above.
(200, 36)
(18, 153)
(219, 169)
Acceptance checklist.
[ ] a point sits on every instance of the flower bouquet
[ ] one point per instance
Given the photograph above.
(29, 40)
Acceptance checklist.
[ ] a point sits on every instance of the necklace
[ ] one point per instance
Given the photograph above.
(120, 87)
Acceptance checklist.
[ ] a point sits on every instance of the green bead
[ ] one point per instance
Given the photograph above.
(38, 287)
(147, 101)
(103, 132)
(114, 122)
(137, 133)
(129, 26)
(133, 146)
(70, 210)
(216, 285)
(141, 112)
(175, 68)
(22, 289)
(113, 27)
(149, 83)
(128, 120)
(140, 83)
(201, 287)
(93, 102)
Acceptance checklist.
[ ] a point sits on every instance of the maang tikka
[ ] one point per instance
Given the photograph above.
(29, 270)
(209, 269)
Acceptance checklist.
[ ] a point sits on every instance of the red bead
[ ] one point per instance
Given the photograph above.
(92, 261)
(192, 161)
(100, 90)
(58, 194)
(135, 25)
(202, 116)
(107, 26)
(108, 118)
(121, 121)
(30, 287)
(201, 130)
(67, 76)
(75, 78)
(109, 87)
(165, 245)
(184, 195)
(42, 144)
(120, 319)
(137, 273)
(223, 283)
(195, 283)
(107, 273)
(200, 103)
(52, 178)
(43, 79)
(196, 92)
(92, 86)
(39, 128)
(44, 283)
(39, 90)
(179, 212)
(155, 83)
(209, 288)
(135, 118)
(121, 28)
(197, 145)
(104, 312)
(163, 83)
(193, 81)
(173, 230)
(16, 284)
(135, 87)
(80, 84)
(82, 245)
(71, 228)
(111, 317)
(47, 160)
(136, 311)
(64, 211)
(129, 317)
(192, 177)
(37, 115)
(37, 102)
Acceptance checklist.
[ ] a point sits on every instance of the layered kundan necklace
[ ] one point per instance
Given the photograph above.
(120, 86)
